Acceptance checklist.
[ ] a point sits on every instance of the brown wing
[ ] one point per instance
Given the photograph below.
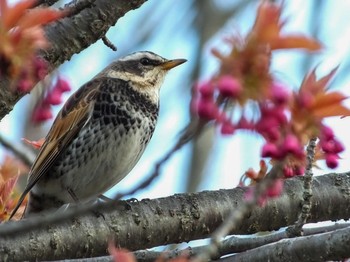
(72, 117)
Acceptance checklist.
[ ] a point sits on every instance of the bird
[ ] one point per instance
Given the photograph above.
(99, 134)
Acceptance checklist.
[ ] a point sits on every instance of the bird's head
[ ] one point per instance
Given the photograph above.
(144, 70)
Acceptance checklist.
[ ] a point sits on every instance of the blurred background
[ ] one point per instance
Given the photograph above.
(189, 29)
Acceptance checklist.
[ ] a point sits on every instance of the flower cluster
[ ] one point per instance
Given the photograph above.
(42, 111)
(330, 146)
(286, 120)
(205, 105)
(31, 74)
(22, 36)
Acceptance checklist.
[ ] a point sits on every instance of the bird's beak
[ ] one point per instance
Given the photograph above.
(172, 63)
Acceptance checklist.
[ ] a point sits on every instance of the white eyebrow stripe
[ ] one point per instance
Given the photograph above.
(139, 55)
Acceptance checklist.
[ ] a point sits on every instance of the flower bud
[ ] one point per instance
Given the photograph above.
(332, 160)
(270, 150)
(229, 86)
(207, 109)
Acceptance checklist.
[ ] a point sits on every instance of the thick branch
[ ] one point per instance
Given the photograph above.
(70, 35)
(175, 219)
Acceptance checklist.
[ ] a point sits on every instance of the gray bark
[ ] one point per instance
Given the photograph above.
(175, 219)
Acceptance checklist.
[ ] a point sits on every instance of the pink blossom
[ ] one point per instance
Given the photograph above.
(40, 68)
(279, 113)
(275, 189)
(269, 129)
(271, 121)
(274, 112)
(248, 195)
(206, 89)
(207, 109)
(327, 133)
(273, 134)
(24, 85)
(332, 160)
(266, 123)
(279, 94)
(244, 123)
(332, 146)
(62, 85)
(270, 150)
(54, 97)
(288, 171)
(338, 147)
(299, 170)
(42, 113)
(227, 128)
(292, 145)
(229, 86)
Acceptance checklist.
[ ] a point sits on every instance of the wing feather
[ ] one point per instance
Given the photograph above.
(69, 121)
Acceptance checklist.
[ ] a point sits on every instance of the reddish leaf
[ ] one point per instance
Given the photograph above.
(327, 99)
(12, 166)
(6, 188)
(295, 41)
(267, 21)
(313, 86)
(308, 81)
(332, 110)
(268, 26)
(120, 255)
(39, 16)
(14, 13)
(3, 9)
(35, 144)
(328, 105)
(326, 79)
(11, 169)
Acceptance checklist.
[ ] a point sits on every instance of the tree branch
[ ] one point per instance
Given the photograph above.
(233, 244)
(321, 247)
(175, 219)
(70, 35)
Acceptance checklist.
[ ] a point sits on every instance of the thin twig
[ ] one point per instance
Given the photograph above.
(26, 158)
(108, 43)
(296, 229)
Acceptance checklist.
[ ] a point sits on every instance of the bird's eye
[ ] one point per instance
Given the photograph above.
(145, 61)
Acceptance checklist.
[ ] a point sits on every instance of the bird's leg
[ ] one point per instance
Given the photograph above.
(93, 202)
(104, 198)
